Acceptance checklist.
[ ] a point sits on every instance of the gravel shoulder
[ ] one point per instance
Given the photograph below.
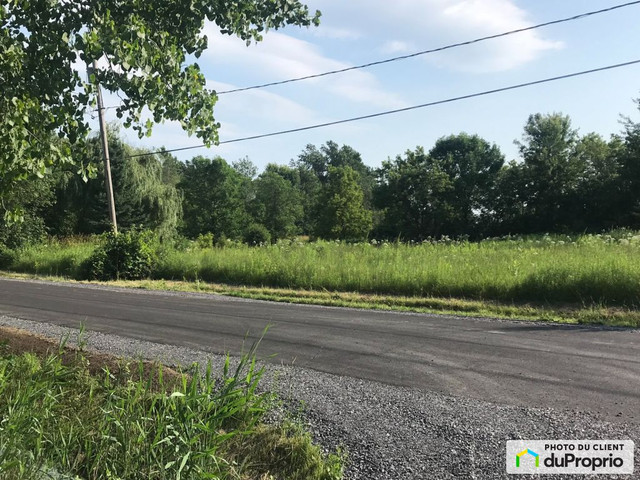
(389, 432)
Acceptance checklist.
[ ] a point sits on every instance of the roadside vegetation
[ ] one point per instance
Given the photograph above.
(457, 229)
(583, 278)
(69, 414)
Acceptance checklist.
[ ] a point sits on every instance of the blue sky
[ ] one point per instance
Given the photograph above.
(359, 31)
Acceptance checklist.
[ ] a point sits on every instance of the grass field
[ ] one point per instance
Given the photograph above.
(73, 415)
(589, 272)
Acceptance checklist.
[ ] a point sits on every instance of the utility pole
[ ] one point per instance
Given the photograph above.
(105, 151)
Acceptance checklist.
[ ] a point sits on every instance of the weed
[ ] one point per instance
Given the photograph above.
(585, 271)
(57, 420)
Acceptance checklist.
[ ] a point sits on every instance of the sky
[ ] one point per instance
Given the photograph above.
(354, 32)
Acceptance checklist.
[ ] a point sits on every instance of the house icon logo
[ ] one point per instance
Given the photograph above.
(525, 452)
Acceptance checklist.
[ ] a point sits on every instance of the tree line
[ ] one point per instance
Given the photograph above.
(462, 186)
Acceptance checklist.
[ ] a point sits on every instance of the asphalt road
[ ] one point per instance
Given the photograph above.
(569, 368)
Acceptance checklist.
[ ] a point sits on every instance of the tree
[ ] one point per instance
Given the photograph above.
(597, 198)
(171, 168)
(331, 155)
(508, 202)
(412, 192)
(308, 186)
(344, 215)
(245, 167)
(142, 196)
(277, 204)
(147, 47)
(214, 200)
(629, 185)
(30, 200)
(552, 171)
(144, 189)
(472, 165)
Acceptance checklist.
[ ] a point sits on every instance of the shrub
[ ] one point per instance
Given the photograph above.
(27, 231)
(204, 240)
(178, 243)
(128, 256)
(221, 241)
(7, 256)
(257, 234)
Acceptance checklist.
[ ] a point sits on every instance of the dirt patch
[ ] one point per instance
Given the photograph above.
(14, 341)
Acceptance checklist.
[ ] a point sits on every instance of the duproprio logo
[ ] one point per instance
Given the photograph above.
(525, 452)
(541, 457)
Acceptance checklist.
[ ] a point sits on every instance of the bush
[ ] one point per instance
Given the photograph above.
(178, 243)
(221, 241)
(128, 256)
(257, 234)
(28, 230)
(205, 240)
(7, 256)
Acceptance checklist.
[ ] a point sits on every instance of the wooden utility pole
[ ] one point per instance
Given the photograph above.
(105, 151)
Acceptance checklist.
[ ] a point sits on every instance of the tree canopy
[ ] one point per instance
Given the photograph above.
(214, 200)
(148, 49)
(344, 215)
(144, 189)
(564, 183)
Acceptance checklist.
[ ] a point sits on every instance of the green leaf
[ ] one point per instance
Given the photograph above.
(47, 103)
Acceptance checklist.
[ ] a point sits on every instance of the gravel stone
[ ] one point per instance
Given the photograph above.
(388, 432)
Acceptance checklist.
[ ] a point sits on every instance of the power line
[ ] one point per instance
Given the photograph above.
(405, 109)
(425, 52)
(439, 49)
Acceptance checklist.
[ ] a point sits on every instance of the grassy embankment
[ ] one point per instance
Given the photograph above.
(586, 279)
(71, 415)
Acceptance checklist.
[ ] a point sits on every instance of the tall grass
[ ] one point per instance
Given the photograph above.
(62, 258)
(586, 269)
(56, 419)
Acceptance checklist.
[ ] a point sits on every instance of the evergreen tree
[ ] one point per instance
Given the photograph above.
(142, 196)
(344, 215)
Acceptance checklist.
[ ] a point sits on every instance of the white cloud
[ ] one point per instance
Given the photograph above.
(394, 47)
(488, 17)
(281, 56)
(428, 24)
(258, 107)
(336, 33)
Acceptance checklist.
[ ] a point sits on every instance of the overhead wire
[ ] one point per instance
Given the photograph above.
(434, 50)
(405, 109)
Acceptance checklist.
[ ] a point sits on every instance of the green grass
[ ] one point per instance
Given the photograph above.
(56, 258)
(57, 418)
(585, 278)
(588, 271)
